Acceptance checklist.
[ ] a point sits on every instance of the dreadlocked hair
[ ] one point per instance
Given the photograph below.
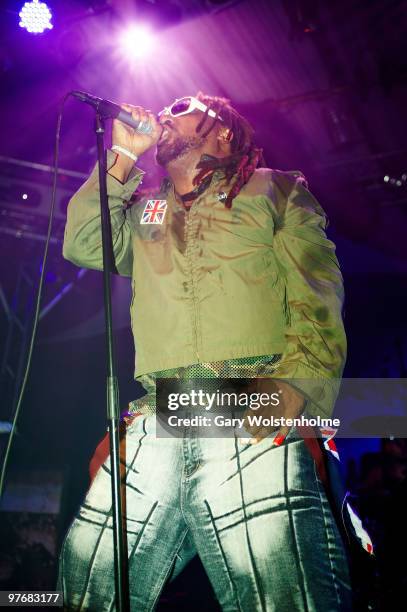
(245, 156)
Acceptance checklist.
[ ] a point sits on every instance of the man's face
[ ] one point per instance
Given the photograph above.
(179, 136)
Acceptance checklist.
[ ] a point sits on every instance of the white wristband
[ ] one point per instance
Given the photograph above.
(120, 149)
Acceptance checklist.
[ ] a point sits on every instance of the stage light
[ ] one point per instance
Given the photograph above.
(136, 42)
(35, 17)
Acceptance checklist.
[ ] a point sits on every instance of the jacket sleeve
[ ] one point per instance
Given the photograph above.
(83, 235)
(313, 295)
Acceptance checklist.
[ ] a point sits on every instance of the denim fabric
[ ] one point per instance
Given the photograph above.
(256, 515)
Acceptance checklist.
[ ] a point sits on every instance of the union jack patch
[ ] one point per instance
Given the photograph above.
(154, 212)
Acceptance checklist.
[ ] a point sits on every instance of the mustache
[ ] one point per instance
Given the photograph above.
(168, 125)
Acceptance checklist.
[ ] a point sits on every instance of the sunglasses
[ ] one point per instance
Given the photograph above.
(187, 105)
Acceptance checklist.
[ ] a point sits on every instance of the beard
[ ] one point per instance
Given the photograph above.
(176, 147)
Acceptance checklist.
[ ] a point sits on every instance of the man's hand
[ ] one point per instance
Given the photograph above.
(291, 404)
(133, 141)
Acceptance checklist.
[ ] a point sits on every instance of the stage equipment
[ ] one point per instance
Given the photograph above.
(106, 109)
(396, 182)
(25, 189)
(32, 523)
(35, 17)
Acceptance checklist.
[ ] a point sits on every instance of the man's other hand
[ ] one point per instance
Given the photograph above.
(291, 404)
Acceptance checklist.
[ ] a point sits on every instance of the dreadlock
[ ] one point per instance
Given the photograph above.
(245, 155)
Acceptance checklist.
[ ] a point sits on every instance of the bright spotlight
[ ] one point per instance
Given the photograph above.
(136, 42)
(35, 17)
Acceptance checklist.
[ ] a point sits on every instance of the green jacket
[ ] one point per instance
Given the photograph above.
(214, 283)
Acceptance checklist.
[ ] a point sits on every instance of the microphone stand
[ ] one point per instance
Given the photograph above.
(113, 411)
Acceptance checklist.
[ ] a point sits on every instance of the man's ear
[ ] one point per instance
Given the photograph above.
(225, 135)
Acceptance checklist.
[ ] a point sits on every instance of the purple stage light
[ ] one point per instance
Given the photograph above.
(35, 17)
(136, 42)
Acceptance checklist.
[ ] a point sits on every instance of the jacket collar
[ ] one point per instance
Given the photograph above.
(167, 186)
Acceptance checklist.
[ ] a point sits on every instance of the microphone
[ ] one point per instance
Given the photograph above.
(111, 109)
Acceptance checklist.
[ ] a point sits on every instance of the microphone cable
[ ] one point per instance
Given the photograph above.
(39, 295)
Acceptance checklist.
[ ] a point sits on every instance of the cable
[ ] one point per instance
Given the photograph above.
(39, 295)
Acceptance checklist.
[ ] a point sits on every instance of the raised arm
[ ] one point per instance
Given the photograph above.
(83, 234)
(83, 238)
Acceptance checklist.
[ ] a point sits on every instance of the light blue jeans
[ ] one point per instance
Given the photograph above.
(256, 515)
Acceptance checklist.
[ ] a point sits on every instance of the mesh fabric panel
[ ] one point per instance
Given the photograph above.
(244, 367)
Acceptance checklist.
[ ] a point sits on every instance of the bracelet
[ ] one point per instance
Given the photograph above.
(120, 149)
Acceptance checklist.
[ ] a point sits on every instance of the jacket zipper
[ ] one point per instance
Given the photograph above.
(188, 254)
(188, 224)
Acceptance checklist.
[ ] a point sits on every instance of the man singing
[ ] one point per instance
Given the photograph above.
(232, 276)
